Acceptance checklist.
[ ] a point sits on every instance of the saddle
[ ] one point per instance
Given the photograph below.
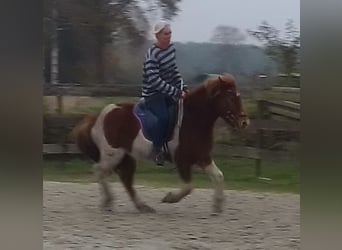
(145, 118)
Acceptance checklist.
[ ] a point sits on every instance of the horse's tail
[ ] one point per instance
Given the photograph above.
(81, 135)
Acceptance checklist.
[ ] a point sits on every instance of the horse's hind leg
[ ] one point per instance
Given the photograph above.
(125, 171)
(110, 158)
(101, 174)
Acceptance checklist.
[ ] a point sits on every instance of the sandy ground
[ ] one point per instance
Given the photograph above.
(73, 220)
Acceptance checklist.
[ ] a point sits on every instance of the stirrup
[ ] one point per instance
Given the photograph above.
(159, 158)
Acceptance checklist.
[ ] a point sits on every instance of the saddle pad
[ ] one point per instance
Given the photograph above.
(148, 124)
(145, 123)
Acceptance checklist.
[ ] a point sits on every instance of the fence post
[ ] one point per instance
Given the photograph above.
(261, 114)
(60, 111)
(258, 167)
(60, 104)
(260, 135)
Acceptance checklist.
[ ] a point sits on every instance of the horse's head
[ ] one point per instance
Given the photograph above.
(226, 101)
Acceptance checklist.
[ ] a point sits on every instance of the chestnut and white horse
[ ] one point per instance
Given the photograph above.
(114, 140)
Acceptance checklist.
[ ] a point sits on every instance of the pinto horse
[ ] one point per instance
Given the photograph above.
(114, 140)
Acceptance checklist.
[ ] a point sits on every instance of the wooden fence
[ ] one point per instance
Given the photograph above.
(278, 110)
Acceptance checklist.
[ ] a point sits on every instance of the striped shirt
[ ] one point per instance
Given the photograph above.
(160, 72)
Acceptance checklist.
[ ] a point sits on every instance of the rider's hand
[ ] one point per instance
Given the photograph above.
(185, 89)
(183, 94)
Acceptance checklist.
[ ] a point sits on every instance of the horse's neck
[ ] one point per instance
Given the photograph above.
(198, 111)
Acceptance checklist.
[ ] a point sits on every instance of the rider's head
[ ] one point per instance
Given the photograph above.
(162, 31)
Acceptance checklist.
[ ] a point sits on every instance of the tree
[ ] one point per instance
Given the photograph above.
(89, 26)
(227, 35)
(228, 38)
(285, 51)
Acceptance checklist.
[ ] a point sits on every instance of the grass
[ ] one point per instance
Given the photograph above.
(239, 175)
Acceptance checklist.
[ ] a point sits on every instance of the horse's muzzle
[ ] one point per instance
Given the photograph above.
(244, 122)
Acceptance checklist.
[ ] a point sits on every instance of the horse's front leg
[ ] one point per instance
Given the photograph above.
(185, 173)
(217, 178)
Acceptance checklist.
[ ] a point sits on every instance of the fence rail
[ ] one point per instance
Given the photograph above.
(219, 149)
(92, 90)
(274, 103)
(283, 102)
(67, 120)
(280, 93)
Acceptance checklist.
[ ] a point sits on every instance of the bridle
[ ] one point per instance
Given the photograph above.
(229, 115)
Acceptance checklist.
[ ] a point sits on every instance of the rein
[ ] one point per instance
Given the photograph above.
(180, 108)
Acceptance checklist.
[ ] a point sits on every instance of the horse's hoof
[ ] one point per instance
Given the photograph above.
(146, 209)
(107, 205)
(216, 211)
(217, 207)
(169, 198)
(107, 208)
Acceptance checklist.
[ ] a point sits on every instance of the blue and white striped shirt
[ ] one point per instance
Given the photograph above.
(160, 72)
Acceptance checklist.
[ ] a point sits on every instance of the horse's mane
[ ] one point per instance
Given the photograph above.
(195, 90)
(198, 95)
(212, 81)
(200, 90)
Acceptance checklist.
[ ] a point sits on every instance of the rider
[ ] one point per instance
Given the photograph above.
(161, 87)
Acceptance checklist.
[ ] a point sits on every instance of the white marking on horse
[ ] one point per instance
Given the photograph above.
(217, 178)
(141, 147)
(110, 156)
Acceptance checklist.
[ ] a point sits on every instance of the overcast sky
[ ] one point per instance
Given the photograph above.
(198, 18)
